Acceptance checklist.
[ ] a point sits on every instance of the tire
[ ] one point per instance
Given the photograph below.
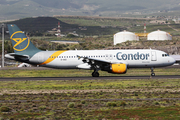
(95, 74)
(152, 74)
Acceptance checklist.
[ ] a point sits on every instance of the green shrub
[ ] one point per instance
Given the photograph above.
(83, 101)
(4, 109)
(42, 107)
(71, 36)
(108, 104)
(79, 105)
(71, 105)
(113, 104)
(136, 94)
(123, 103)
(156, 103)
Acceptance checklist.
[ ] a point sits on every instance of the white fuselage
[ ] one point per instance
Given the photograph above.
(135, 58)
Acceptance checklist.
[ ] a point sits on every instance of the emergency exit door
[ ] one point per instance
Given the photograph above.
(153, 56)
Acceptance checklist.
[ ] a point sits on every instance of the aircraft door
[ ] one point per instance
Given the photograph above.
(153, 56)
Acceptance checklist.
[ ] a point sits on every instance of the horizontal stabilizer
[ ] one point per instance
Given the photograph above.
(14, 56)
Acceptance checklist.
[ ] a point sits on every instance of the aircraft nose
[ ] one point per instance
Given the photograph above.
(172, 60)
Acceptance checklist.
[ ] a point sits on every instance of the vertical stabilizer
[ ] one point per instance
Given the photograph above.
(20, 42)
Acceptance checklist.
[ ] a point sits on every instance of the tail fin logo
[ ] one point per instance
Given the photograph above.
(20, 42)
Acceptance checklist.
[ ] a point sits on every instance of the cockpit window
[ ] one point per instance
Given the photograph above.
(165, 55)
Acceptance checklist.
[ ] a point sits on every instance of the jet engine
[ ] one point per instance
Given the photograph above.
(116, 68)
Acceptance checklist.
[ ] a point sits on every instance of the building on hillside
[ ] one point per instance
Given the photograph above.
(124, 36)
(159, 35)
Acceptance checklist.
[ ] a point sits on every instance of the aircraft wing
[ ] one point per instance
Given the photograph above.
(93, 63)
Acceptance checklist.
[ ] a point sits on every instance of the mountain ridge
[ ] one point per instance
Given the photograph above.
(13, 9)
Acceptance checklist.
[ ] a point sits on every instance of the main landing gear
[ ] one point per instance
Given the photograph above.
(96, 69)
(95, 73)
(152, 72)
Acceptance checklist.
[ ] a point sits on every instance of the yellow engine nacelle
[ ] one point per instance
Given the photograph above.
(118, 68)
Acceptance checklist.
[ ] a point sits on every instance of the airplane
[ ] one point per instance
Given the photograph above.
(112, 61)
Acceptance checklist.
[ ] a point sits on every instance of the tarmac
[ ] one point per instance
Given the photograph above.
(83, 78)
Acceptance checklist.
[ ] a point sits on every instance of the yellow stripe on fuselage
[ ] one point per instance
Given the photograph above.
(53, 56)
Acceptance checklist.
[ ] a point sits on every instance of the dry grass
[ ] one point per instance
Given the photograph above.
(97, 99)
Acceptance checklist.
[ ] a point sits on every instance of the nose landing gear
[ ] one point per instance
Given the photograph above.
(152, 72)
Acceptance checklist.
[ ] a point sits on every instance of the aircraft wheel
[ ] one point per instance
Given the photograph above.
(152, 74)
(95, 74)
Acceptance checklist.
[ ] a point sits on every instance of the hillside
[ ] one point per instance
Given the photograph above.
(14, 9)
(41, 24)
(87, 26)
